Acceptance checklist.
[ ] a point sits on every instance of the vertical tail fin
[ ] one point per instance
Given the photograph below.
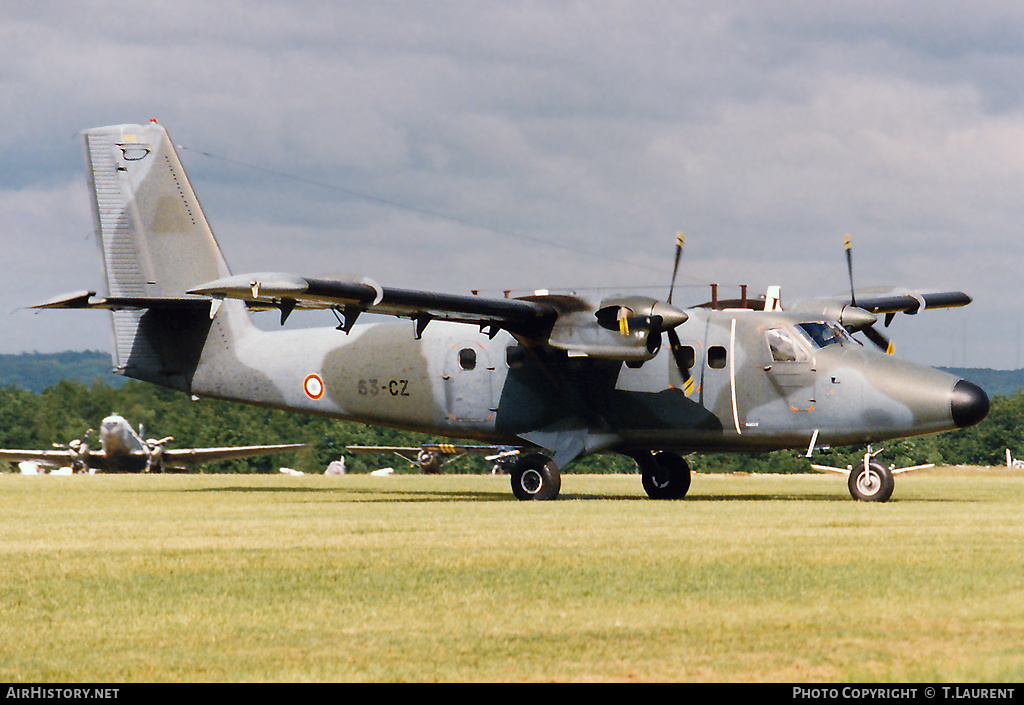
(156, 244)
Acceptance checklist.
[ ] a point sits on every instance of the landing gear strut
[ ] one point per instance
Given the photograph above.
(536, 477)
(664, 475)
(870, 481)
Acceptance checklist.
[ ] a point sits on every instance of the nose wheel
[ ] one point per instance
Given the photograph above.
(871, 482)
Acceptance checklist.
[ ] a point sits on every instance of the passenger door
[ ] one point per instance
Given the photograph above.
(791, 368)
(467, 383)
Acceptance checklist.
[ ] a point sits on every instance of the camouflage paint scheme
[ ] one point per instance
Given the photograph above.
(554, 373)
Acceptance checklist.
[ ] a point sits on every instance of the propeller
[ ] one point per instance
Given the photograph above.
(154, 442)
(680, 239)
(682, 364)
(75, 444)
(642, 317)
(79, 450)
(863, 323)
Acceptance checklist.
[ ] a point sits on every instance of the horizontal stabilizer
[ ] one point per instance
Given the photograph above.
(89, 300)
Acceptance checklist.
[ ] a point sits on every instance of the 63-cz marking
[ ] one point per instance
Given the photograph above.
(374, 387)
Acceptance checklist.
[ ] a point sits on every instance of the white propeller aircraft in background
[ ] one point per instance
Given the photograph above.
(124, 450)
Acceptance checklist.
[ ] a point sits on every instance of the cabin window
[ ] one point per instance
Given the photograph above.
(515, 356)
(824, 334)
(467, 359)
(717, 357)
(782, 343)
(685, 357)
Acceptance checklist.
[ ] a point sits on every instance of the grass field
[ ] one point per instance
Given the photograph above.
(448, 578)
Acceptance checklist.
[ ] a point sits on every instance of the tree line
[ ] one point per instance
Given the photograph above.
(64, 411)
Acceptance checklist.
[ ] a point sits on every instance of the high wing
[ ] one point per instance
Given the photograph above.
(859, 311)
(625, 328)
(355, 295)
(43, 457)
(180, 458)
(350, 296)
(889, 301)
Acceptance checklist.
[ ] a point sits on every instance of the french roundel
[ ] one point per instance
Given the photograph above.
(313, 386)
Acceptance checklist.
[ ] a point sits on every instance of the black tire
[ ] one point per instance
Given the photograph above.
(429, 462)
(535, 477)
(665, 475)
(874, 484)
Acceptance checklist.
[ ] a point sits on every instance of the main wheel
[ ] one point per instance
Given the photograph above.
(871, 484)
(535, 477)
(429, 462)
(664, 475)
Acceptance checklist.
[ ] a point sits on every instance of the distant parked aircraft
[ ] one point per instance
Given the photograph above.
(124, 450)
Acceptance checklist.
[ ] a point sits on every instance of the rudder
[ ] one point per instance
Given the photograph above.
(156, 244)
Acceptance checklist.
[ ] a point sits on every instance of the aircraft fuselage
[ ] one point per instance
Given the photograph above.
(743, 393)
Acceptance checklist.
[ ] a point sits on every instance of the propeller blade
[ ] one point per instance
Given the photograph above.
(684, 369)
(880, 341)
(675, 269)
(849, 268)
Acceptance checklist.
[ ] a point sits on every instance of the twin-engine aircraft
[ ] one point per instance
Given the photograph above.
(123, 450)
(560, 376)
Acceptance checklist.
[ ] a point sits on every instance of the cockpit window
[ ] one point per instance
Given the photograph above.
(784, 347)
(824, 334)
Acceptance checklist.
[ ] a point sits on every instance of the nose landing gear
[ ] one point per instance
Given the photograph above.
(870, 481)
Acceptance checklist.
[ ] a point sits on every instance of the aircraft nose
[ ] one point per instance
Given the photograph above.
(968, 404)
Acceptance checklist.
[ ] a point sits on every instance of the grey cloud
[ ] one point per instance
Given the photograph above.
(766, 131)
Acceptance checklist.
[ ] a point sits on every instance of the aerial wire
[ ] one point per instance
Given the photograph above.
(417, 210)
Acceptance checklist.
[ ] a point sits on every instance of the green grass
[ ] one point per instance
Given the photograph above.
(412, 578)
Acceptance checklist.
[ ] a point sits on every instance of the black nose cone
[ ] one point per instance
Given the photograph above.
(968, 403)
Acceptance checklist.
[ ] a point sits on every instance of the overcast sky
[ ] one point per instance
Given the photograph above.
(520, 144)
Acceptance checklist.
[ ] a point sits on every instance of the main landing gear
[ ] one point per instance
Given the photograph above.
(664, 475)
(535, 476)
